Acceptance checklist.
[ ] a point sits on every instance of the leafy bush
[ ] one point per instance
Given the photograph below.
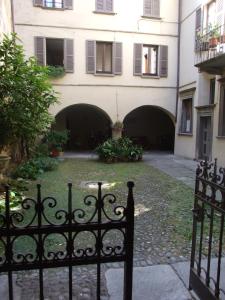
(32, 168)
(15, 200)
(41, 150)
(122, 149)
(57, 139)
(55, 71)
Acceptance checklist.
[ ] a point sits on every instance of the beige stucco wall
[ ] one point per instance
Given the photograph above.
(5, 17)
(82, 24)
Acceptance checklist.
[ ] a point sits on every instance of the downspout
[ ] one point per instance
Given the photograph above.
(178, 57)
(12, 14)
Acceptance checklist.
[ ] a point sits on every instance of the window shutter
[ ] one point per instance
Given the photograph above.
(138, 59)
(108, 5)
(152, 8)
(90, 56)
(39, 48)
(100, 5)
(68, 4)
(219, 12)
(117, 58)
(38, 2)
(68, 56)
(198, 19)
(163, 61)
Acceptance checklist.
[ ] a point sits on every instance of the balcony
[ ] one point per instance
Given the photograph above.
(210, 51)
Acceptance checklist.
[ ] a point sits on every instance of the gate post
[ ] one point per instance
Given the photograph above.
(129, 244)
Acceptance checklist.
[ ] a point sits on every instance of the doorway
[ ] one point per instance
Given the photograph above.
(205, 137)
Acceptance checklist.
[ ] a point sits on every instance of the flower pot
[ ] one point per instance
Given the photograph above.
(54, 153)
(213, 42)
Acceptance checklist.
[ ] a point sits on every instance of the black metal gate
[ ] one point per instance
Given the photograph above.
(208, 231)
(69, 223)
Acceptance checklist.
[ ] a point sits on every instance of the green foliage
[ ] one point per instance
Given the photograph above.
(55, 71)
(122, 149)
(34, 167)
(15, 200)
(41, 150)
(25, 96)
(57, 139)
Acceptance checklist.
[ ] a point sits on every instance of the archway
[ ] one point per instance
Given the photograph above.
(88, 126)
(150, 127)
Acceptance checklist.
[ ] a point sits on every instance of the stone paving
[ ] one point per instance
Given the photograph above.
(153, 245)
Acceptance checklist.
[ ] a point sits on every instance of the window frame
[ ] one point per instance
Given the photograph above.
(221, 130)
(157, 59)
(103, 58)
(181, 127)
(63, 41)
(53, 6)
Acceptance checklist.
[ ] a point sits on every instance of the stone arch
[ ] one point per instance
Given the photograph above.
(151, 126)
(88, 124)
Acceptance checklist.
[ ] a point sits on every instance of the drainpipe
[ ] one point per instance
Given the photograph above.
(178, 56)
(12, 14)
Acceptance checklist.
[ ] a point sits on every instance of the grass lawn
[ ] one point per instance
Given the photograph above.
(177, 197)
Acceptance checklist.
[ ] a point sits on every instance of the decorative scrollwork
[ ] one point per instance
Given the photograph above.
(118, 211)
(88, 247)
(80, 214)
(108, 246)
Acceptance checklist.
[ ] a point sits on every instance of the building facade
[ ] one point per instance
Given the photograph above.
(120, 64)
(6, 17)
(155, 65)
(200, 130)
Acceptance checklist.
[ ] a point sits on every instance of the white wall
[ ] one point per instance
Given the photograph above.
(5, 17)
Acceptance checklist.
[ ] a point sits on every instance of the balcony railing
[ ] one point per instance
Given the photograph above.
(209, 47)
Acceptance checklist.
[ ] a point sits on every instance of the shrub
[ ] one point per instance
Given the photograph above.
(15, 200)
(122, 149)
(32, 168)
(57, 139)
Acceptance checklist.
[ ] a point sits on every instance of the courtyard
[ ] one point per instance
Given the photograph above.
(163, 218)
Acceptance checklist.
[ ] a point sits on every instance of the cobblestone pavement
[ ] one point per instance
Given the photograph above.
(154, 244)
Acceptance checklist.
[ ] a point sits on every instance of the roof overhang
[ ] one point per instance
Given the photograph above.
(215, 65)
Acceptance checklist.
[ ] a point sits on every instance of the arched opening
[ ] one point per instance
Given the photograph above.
(150, 127)
(88, 125)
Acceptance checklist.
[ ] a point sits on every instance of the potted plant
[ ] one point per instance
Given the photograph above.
(56, 140)
(117, 129)
(56, 71)
(214, 37)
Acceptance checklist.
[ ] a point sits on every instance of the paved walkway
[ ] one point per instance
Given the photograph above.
(182, 169)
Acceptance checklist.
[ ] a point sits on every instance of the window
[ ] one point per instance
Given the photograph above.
(53, 3)
(149, 60)
(212, 91)
(211, 15)
(55, 52)
(186, 116)
(152, 8)
(222, 113)
(104, 6)
(103, 57)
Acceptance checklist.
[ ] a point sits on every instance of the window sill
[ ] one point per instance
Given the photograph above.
(104, 74)
(221, 137)
(151, 17)
(149, 76)
(104, 12)
(53, 8)
(185, 134)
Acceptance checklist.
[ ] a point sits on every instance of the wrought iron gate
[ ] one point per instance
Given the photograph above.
(69, 223)
(208, 231)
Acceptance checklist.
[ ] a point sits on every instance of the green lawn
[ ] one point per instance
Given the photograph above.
(178, 198)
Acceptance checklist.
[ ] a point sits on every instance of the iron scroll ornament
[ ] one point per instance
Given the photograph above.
(68, 224)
